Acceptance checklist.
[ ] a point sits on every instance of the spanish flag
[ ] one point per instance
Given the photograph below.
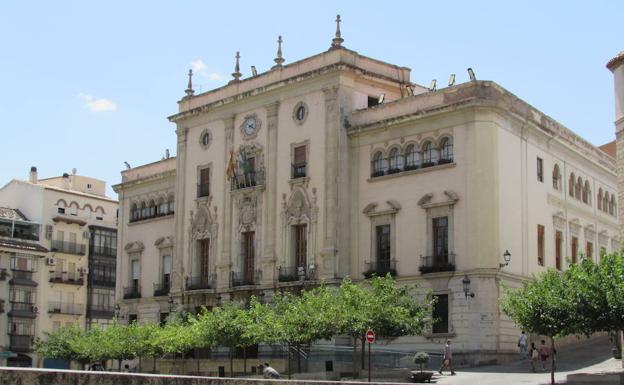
(229, 172)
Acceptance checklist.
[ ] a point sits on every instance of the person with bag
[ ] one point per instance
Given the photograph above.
(447, 358)
(544, 353)
(534, 355)
(522, 345)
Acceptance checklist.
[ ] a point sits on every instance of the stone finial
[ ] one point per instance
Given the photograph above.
(337, 41)
(237, 74)
(279, 59)
(189, 88)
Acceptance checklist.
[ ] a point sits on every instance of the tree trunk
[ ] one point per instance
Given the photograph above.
(119, 364)
(288, 360)
(552, 361)
(154, 364)
(620, 335)
(231, 363)
(140, 364)
(198, 366)
(245, 361)
(363, 354)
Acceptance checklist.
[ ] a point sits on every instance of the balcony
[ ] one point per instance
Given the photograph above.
(131, 292)
(246, 278)
(3, 274)
(203, 190)
(380, 268)
(161, 289)
(69, 278)
(23, 310)
(20, 343)
(102, 281)
(247, 180)
(103, 251)
(299, 170)
(437, 263)
(100, 311)
(381, 167)
(22, 277)
(292, 274)
(65, 308)
(68, 247)
(201, 282)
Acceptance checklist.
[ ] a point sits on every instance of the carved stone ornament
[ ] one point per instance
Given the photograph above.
(603, 238)
(575, 227)
(590, 232)
(164, 242)
(203, 224)
(134, 247)
(559, 220)
(247, 212)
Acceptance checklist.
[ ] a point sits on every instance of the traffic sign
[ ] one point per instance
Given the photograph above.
(7, 354)
(370, 336)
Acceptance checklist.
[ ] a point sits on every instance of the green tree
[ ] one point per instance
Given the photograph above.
(58, 344)
(544, 306)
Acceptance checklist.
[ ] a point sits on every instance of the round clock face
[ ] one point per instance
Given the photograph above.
(250, 126)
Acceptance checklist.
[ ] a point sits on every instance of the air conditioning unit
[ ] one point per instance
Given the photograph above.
(83, 270)
(51, 261)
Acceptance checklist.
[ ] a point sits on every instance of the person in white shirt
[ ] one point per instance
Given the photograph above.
(522, 345)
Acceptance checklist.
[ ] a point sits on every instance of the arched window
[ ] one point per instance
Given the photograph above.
(586, 192)
(605, 202)
(578, 187)
(162, 207)
(612, 205)
(379, 164)
(134, 212)
(171, 204)
(600, 199)
(571, 185)
(412, 158)
(429, 154)
(395, 161)
(151, 208)
(556, 176)
(446, 150)
(144, 210)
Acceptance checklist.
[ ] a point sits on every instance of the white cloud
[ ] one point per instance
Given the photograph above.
(98, 105)
(199, 67)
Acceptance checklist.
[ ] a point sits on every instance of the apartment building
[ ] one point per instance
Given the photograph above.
(71, 225)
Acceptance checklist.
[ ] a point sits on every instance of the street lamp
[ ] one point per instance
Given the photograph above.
(507, 258)
(466, 284)
(171, 303)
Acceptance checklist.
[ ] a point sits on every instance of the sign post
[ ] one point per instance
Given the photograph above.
(370, 337)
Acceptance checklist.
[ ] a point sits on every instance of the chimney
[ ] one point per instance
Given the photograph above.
(66, 181)
(32, 177)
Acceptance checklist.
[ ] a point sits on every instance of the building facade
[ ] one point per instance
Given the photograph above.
(339, 166)
(72, 224)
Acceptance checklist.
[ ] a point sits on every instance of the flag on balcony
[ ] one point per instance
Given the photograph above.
(243, 162)
(229, 172)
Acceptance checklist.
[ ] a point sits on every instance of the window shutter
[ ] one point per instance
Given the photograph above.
(300, 155)
(167, 264)
(135, 269)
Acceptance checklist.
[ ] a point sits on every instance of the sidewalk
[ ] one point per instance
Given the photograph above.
(592, 357)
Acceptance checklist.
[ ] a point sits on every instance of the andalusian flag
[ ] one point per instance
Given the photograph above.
(229, 172)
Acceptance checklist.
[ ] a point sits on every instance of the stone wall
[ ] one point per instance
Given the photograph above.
(28, 376)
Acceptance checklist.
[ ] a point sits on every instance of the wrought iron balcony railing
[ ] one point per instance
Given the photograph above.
(67, 277)
(292, 274)
(201, 282)
(203, 190)
(65, 308)
(248, 179)
(161, 289)
(437, 263)
(68, 247)
(246, 278)
(23, 309)
(380, 268)
(132, 292)
(104, 251)
(20, 343)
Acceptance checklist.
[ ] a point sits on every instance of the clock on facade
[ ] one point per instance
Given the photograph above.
(250, 126)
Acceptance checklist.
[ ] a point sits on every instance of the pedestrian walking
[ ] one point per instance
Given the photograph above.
(522, 345)
(534, 355)
(268, 371)
(447, 358)
(544, 353)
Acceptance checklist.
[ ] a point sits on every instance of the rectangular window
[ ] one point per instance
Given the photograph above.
(558, 243)
(248, 250)
(440, 238)
(299, 162)
(301, 244)
(204, 259)
(61, 210)
(383, 243)
(540, 245)
(166, 279)
(574, 247)
(136, 274)
(440, 314)
(540, 170)
(203, 188)
(589, 250)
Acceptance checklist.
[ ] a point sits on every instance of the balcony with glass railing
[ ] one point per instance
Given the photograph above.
(68, 247)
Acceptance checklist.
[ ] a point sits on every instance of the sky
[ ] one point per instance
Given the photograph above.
(89, 85)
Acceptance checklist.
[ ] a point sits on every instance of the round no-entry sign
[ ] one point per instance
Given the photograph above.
(370, 336)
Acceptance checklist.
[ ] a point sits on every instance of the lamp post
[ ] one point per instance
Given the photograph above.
(171, 304)
(466, 285)
(506, 258)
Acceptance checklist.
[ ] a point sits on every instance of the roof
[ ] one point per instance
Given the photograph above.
(12, 214)
(616, 61)
(609, 148)
(20, 245)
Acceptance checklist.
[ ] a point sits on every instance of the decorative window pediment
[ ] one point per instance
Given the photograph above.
(164, 242)
(590, 232)
(134, 247)
(575, 227)
(427, 201)
(559, 220)
(392, 207)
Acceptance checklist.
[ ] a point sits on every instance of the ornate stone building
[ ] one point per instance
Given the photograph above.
(338, 165)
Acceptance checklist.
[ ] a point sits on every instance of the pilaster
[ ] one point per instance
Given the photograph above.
(177, 282)
(267, 261)
(225, 259)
